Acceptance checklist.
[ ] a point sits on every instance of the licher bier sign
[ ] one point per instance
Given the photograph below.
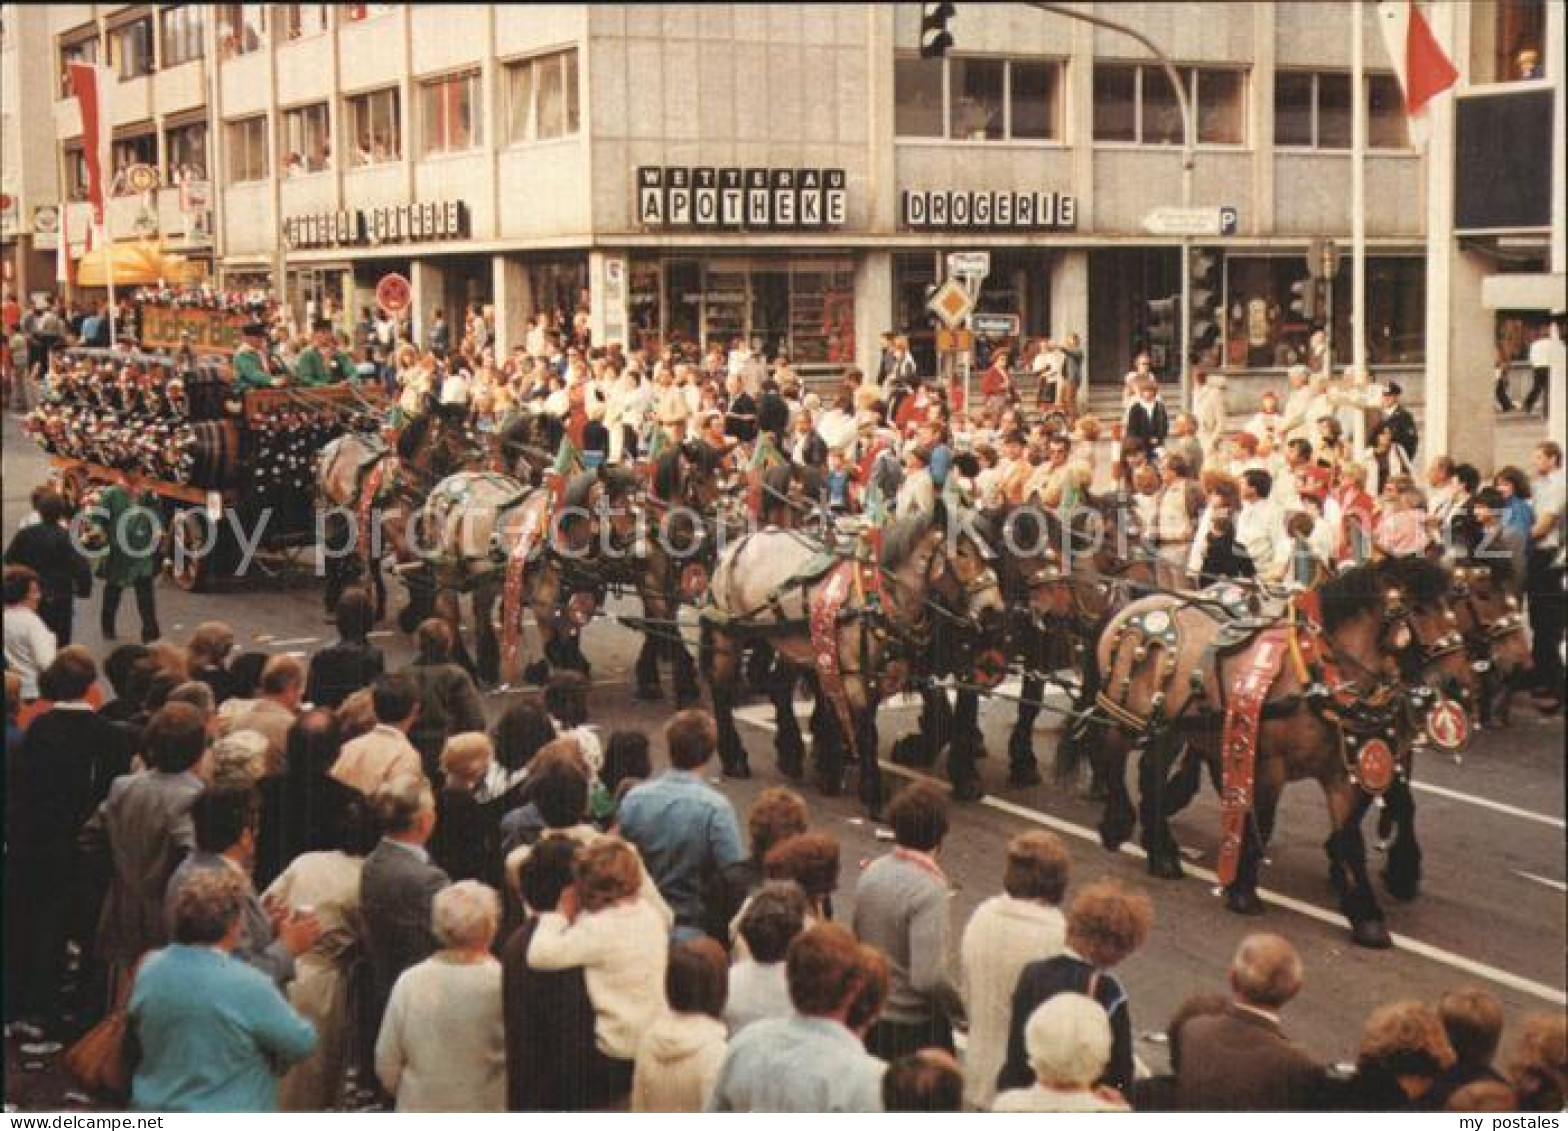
(211, 331)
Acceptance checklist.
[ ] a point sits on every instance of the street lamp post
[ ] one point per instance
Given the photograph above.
(1188, 160)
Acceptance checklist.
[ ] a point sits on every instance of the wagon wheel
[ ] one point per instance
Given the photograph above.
(189, 532)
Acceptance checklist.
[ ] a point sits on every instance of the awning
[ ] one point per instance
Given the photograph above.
(134, 262)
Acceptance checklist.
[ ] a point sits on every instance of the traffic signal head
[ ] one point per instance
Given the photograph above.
(1304, 299)
(935, 39)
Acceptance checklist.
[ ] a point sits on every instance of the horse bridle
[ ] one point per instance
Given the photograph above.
(1482, 637)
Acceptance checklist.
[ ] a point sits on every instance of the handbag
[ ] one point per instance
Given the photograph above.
(101, 1059)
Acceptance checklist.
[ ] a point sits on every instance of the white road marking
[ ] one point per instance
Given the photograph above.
(1556, 885)
(1488, 803)
(379, 634)
(761, 717)
(296, 640)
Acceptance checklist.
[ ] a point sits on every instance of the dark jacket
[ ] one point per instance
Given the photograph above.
(217, 678)
(467, 840)
(55, 781)
(46, 549)
(396, 890)
(1372, 1088)
(336, 672)
(773, 415)
(549, 1031)
(1242, 1061)
(448, 704)
(304, 812)
(1067, 974)
(1148, 423)
(1458, 1076)
(1402, 429)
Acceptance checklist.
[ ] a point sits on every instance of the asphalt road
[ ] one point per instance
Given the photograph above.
(1491, 911)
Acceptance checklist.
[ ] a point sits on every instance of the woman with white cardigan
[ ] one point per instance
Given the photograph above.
(603, 926)
(679, 1058)
(442, 1045)
(1006, 933)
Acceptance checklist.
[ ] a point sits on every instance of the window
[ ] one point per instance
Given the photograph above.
(1387, 126)
(450, 113)
(75, 171)
(1312, 111)
(1138, 104)
(305, 146)
(1517, 36)
(975, 99)
(918, 104)
(182, 34)
(79, 48)
(248, 150)
(131, 44)
(542, 97)
(300, 21)
(185, 150)
(241, 29)
(141, 149)
(375, 127)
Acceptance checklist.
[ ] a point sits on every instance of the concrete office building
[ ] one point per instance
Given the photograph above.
(796, 174)
(29, 210)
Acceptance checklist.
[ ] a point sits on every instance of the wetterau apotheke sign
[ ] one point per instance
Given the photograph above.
(357, 227)
(996, 211)
(776, 199)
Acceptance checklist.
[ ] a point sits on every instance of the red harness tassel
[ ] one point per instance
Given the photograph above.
(1238, 754)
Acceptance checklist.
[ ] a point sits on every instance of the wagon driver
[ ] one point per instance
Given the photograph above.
(256, 366)
(322, 362)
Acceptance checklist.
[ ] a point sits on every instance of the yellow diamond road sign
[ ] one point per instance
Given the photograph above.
(951, 303)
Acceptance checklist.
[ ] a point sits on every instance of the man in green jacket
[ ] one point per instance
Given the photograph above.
(321, 362)
(126, 516)
(255, 366)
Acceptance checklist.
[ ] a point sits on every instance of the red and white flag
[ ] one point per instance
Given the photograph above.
(1424, 68)
(93, 85)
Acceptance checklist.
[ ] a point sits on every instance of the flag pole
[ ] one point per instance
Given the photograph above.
(1358, 188)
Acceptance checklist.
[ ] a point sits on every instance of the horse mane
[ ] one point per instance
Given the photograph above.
(414, 435)
(619, 482)
(902, 536)
(1424, 583)
(578, 486)
(1356, 593)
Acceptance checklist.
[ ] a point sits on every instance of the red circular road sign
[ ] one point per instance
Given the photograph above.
(394, 293)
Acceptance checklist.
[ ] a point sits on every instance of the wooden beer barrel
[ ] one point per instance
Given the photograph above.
(215, 454)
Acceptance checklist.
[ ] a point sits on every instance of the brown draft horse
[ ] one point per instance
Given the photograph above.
(1169, 663)
(403, 475)
(1486, 614)
(771, 584)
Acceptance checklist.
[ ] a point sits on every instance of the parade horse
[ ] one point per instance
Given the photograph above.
(1497, 640)
(527, 445)
(1327, 690)
(671, 559)
(857, 621)
(1062, 571)
(370, 490)
(489, 536)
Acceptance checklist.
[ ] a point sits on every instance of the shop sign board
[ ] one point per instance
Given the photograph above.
(954, 341)
(1173, 221)
(210, 331)
(46, 227)
(995, 325)
(773, 199)
(996, 211)
(951, 303)
(358, 227)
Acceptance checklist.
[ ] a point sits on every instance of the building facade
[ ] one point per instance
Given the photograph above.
(793, 175)
(29, 188)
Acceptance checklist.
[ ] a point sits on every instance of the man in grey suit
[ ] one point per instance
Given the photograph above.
(1241, 1060)
(397, 887)
(225, 822)
(142, 831)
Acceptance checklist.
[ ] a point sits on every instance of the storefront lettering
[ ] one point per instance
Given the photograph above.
(1010, 211)
(741, 198)
(405, 223)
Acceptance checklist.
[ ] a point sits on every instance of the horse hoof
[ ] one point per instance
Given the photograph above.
(968, 789)
(1024, 776)
(1114, 834)
(648, 692)
(1243, 903)
(1402, 889)
(1372, 934)
(1165, 867)
(913, 750)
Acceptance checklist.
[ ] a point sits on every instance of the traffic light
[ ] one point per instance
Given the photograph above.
(1204, 291)
(935, 39)
(1304, 299)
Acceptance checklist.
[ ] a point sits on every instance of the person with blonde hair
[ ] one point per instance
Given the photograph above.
(467, 842)
(1404, 1049)
(442, 1042)
(1105, 924)
(208, 651)
(1069, 1043)
(621, 943)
